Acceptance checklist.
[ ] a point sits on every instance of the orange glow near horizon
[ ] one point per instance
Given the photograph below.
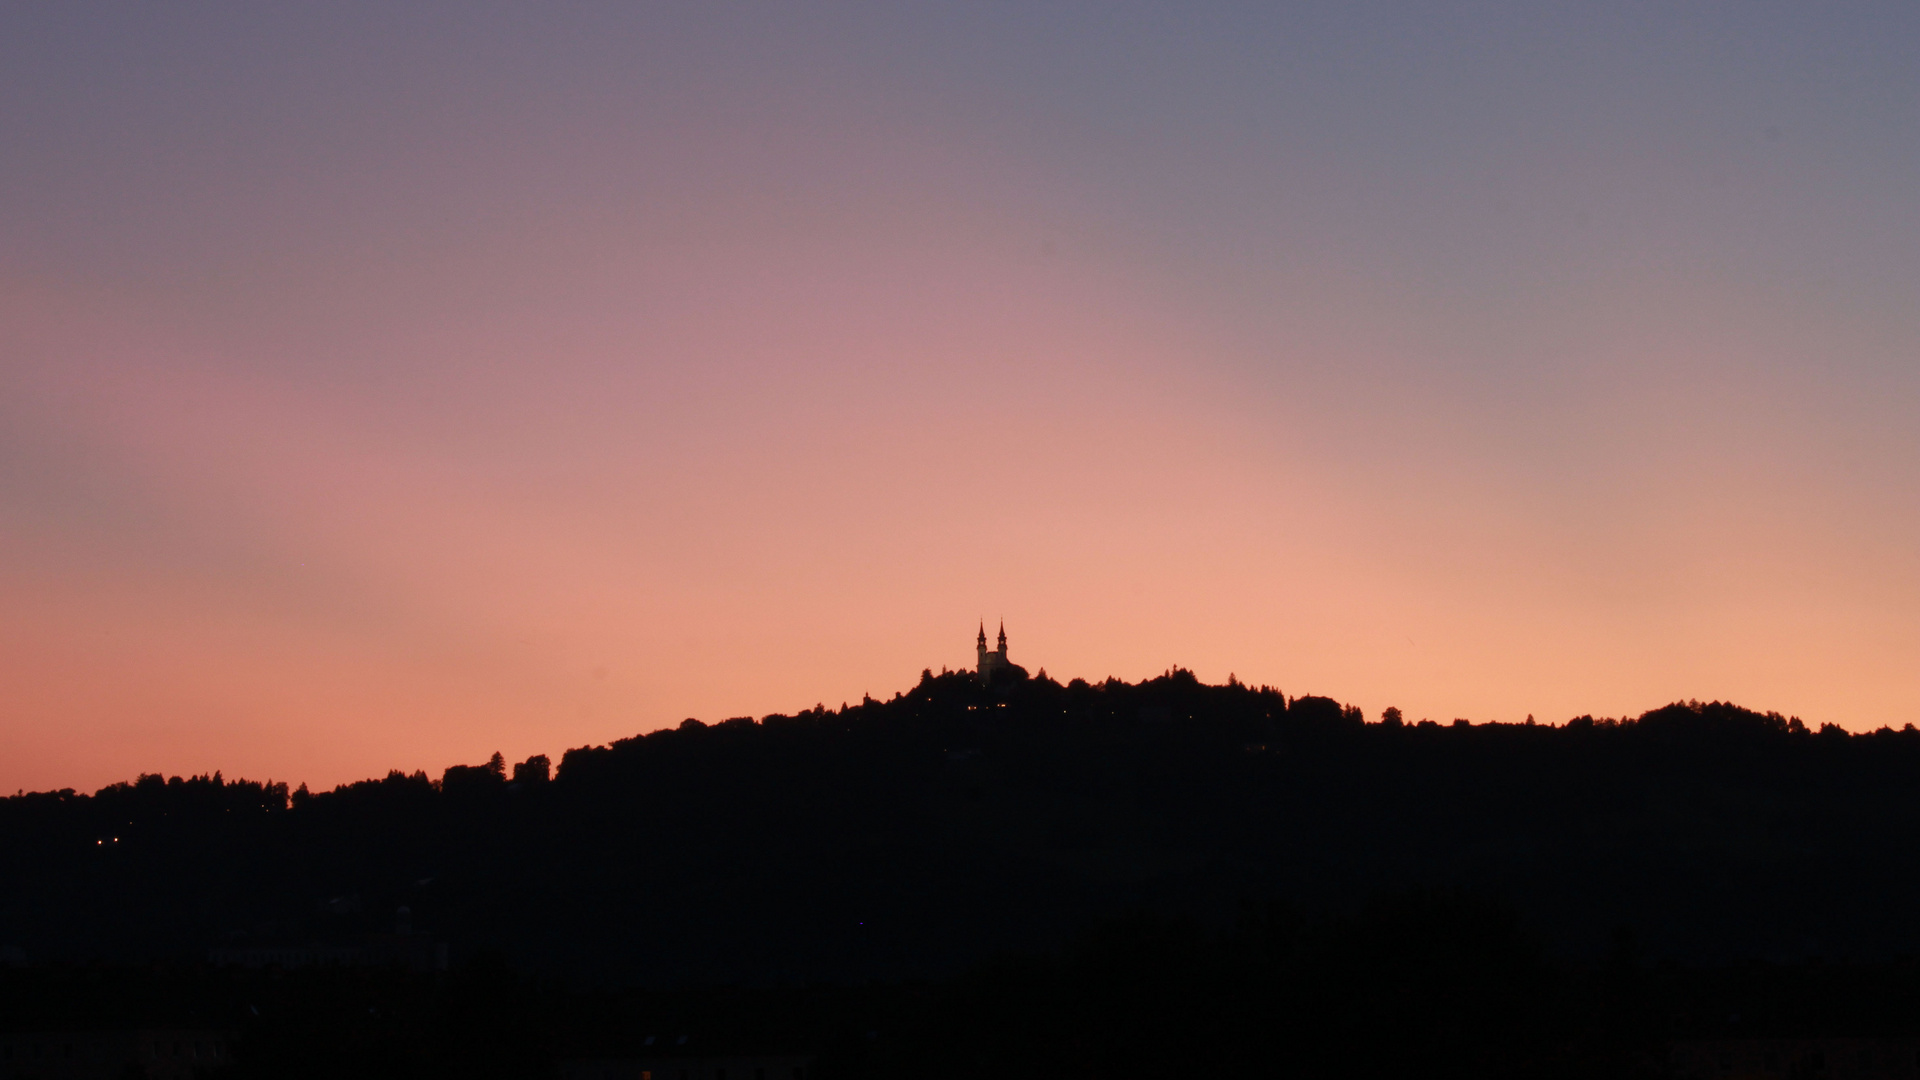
(526, 427)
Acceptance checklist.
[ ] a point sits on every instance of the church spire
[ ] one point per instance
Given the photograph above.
(1003, 637)
(983, 633)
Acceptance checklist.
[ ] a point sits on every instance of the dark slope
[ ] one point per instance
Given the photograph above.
(915, 836)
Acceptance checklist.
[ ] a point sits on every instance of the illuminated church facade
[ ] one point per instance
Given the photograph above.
(994, 662)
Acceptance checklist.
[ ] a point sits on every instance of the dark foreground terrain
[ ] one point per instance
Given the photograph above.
(1412, 985)
(1165, 878)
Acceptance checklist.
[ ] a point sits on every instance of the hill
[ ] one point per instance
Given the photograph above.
(914, 837)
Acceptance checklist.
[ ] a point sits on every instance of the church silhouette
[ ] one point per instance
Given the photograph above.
(994, 664)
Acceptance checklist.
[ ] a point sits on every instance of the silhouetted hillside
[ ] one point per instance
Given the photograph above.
(918, 836)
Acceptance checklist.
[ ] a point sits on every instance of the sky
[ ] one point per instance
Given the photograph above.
(385, 385)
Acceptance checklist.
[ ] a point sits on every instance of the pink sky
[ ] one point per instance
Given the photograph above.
(382, 396)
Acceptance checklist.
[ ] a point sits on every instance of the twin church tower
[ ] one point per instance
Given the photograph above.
(995, 662)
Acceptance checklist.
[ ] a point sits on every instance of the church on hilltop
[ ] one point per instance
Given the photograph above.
(995, 663)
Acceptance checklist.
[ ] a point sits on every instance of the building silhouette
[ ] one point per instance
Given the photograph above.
(994, 663)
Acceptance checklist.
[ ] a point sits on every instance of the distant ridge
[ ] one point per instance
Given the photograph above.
(961, 819)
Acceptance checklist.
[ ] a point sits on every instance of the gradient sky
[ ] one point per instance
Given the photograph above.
(383, 385)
